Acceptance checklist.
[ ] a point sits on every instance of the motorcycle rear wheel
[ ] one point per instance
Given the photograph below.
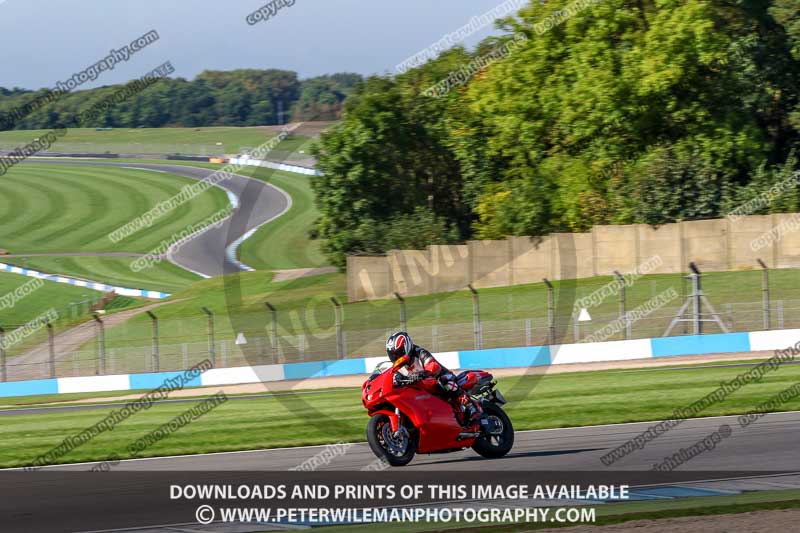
(395, 450)
(495, 446)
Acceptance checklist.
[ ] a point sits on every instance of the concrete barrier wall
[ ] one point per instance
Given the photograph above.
(452, 265)
(370, 277)
(524, 356)
(715, 245)
(787, 248)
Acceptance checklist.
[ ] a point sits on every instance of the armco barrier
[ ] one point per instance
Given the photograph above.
(488, 359)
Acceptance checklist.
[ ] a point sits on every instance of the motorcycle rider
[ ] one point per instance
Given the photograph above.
(416, 359)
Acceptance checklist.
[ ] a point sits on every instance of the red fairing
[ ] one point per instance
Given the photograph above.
(472, 379)
(434, 417)
(421, 403)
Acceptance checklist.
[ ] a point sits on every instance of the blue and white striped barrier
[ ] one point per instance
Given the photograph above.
(472, 359)
(124, 291)
(275, 166)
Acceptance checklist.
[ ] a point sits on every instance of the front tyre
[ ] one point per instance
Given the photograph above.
(499, 442)
(397, 450)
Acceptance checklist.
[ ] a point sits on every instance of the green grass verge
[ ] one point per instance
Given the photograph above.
(535, 402)
(50, 295)
(73, 209)
(71, 304)
(158, 140)
(39, 400)
(164, 276)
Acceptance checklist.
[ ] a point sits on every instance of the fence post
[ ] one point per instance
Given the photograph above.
(765, 292)
(339, 343)
(274, 337)
(696, 302)
(100, 346)
(403, 323)
(476, 318)
(551, 313)
(301, 347)
(260, 346)
(3, 374)
(212, 355)
(156, 362)
(528, 333)
(51, 346)
(729, 311)
(685, 295)
(623, 312)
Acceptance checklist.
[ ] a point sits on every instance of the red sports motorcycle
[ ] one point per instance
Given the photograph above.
(408, 415)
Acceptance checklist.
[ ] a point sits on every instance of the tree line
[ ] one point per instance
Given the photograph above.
(244, 97)
(624, 111)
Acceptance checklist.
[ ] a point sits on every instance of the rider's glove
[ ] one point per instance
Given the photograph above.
(400, 379)
(448, 385)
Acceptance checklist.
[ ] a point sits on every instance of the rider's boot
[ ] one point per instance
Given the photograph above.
(471, 409)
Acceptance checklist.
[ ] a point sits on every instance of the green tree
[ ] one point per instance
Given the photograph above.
(692, 95)
(382, 163)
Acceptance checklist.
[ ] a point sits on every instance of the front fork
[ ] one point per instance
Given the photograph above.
(395, 418)
(395, 421)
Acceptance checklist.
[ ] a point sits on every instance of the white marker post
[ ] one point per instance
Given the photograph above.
(583, 316)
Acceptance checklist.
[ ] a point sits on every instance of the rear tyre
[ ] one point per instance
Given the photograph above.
(499, 443)
(397, 450)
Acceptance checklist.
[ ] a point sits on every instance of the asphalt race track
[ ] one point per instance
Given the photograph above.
(212, 252)
(769, 444)
(135, 493)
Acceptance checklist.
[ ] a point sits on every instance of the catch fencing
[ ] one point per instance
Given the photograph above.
(324, 328)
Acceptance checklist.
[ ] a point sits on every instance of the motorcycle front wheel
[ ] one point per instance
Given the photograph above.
(397, 450)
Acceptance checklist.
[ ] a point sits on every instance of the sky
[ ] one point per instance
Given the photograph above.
(43, 42)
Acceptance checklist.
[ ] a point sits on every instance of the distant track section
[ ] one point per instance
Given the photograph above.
(212, 252)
